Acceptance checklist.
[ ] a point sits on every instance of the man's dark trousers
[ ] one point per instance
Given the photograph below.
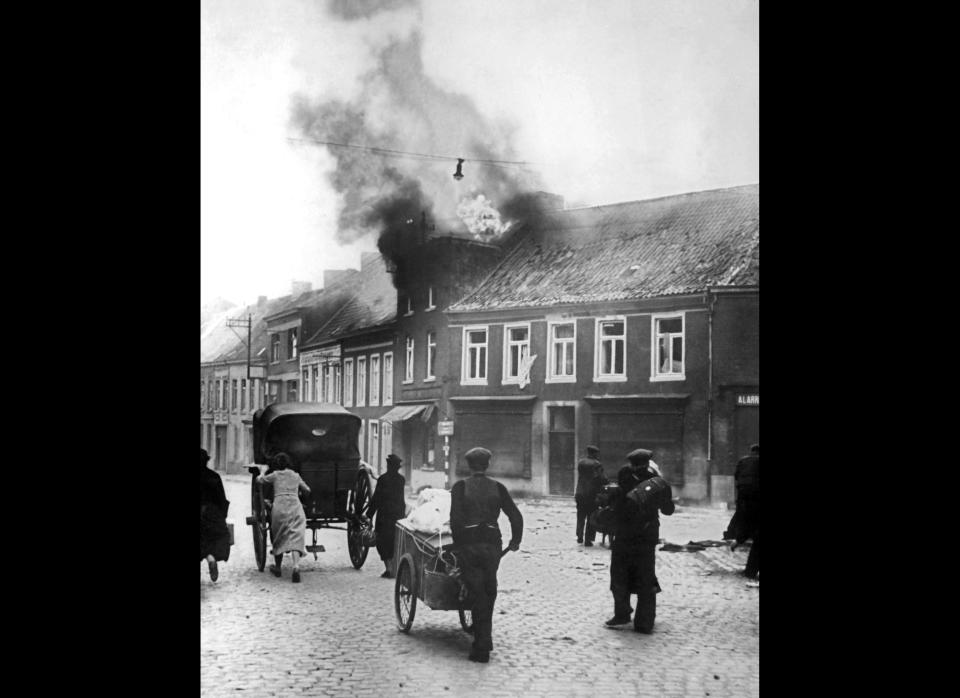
(479, 563)
(586, 505)
(633, 571)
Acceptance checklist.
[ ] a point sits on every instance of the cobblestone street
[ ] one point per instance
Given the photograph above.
(336, 634)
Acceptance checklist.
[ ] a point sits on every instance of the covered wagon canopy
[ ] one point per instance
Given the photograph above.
(306, 431)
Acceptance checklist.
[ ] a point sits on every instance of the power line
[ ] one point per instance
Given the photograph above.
(422, 156)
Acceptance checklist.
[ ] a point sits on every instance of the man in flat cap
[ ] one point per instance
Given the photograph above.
(643, 495)
(590, 481)
(389, 505)
(475, 506)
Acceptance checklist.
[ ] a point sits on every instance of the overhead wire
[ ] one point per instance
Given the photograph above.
(390, 152)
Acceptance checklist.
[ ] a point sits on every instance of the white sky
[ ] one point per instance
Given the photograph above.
(619, 99)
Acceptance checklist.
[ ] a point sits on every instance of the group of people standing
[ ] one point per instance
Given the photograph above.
(633, 510)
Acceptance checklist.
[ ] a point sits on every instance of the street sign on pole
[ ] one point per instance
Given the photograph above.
(445, 427)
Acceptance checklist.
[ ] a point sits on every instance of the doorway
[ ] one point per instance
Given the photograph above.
(563, 455)
(221, 448)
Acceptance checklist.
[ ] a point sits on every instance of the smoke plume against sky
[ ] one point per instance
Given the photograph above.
(611, 101)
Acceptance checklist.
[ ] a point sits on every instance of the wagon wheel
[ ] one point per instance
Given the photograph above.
(466, 620)
(405, 594)
(359, 501)
(259, 515)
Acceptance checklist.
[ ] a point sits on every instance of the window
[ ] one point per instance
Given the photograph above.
(409, 306)
(203, 395)
(209, 396)
(274, 391)
(291, 391)
(348, 383)
(668, 347)
(292, 343)
(562, 353)
(386, 442)
(336, 383)
(361, 381)
(388, 378)
(305, 382)
(374, 381)
(610, 354)
(408, 368)
(219, 397)
(328, 382)
(431, 354)
(516, 350)
(252, 395)
(234, 403)
(474, 356)
(275, 349)
(373, 454)
(430, 303)
(243, 395)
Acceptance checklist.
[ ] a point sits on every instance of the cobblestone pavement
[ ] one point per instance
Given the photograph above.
(335, 633)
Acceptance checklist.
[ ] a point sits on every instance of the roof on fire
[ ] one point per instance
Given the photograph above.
(672, 245)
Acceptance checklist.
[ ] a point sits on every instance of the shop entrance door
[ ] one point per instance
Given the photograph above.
(563, 456)
(221, 448)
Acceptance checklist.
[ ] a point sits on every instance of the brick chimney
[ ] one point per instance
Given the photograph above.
(335, 276)
(299, 287)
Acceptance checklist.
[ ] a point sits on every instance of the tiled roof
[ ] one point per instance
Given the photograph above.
(642, 249)
(373, 305)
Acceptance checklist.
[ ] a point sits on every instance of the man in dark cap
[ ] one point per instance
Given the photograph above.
(590, 481)
(475, 506)
(642, 495)
(390, 506)
(747, 482)
(214, 532)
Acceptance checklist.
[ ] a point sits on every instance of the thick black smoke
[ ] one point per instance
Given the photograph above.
(400, 108)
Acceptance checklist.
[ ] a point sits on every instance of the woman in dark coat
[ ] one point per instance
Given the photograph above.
(214, 534)
(389, 503)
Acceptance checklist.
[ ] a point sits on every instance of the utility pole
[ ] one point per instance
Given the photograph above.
(248, 323)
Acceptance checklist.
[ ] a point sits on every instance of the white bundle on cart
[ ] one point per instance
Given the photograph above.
(432, 512)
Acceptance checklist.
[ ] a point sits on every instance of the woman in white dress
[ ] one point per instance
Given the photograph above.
(288, 523)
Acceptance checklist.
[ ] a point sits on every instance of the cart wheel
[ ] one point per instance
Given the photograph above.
(466, 624)
(405, 597)
(359, 500)
(258, 512)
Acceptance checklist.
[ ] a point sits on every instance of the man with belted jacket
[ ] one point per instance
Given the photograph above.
(643, 494)
(475, 506)
(590, 481)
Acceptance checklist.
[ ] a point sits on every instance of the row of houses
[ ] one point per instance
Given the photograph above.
(626, 325)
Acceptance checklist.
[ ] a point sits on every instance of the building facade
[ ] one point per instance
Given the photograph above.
(625, 326)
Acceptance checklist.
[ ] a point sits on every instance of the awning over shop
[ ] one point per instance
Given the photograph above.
(402, 413)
